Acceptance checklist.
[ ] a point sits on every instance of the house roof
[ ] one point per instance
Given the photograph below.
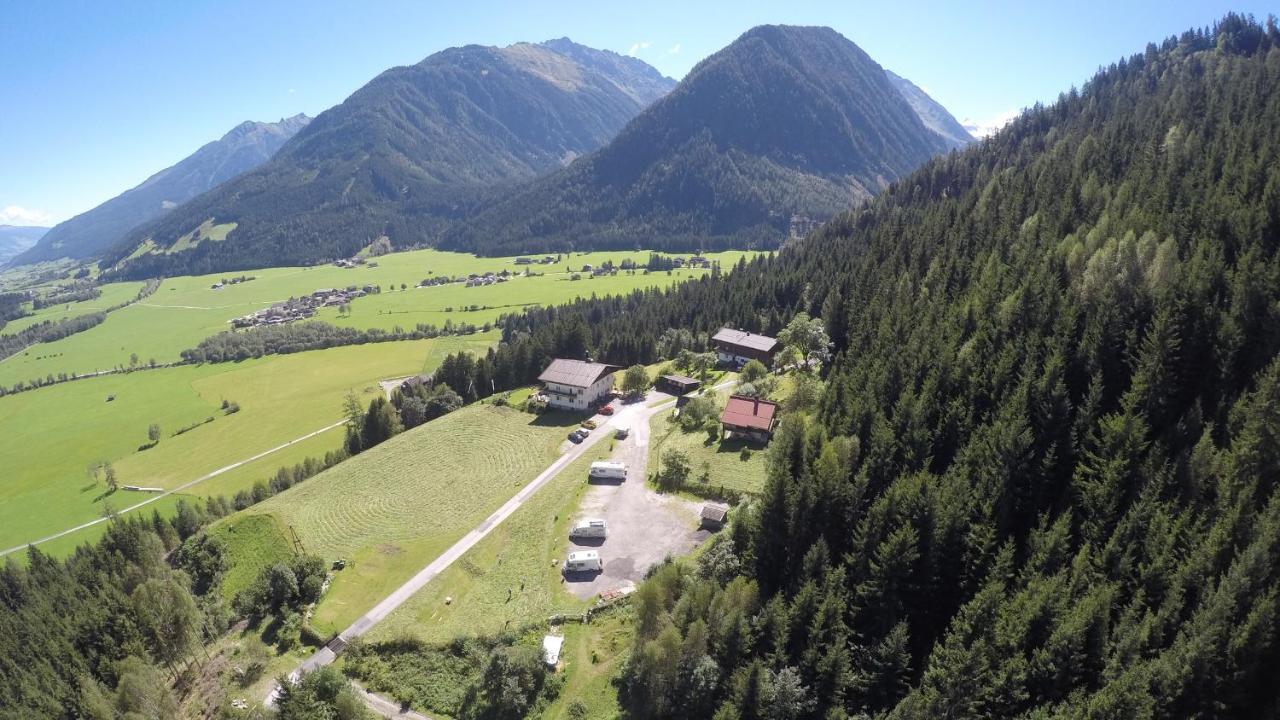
(681, 380)
(742, 338)
(715, 513)
(575, 373)
(746, 412)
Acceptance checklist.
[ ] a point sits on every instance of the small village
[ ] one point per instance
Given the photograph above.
(303, 307)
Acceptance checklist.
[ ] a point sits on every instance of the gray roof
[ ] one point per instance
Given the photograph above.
(575, 373)
(763, 343)
(716, 513)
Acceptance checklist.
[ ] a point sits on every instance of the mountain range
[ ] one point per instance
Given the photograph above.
(784, 121)
(93, 232)
(14, 239)
(412, 149)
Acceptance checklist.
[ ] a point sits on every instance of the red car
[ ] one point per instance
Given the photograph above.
(606, 410)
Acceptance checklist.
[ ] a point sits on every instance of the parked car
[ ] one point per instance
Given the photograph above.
(622, 432)
(589, 528)
(584, 431)
(589, 424)
(606, 410)
(584, 561)
(576, 436)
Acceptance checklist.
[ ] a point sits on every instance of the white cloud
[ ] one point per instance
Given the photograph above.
(292, 91)
(674, 49)
(983, 127)
(637, 47)
(18, 215)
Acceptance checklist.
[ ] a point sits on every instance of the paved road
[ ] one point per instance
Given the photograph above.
(633, 415)
(171, 491)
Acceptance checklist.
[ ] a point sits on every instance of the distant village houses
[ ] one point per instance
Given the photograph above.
(303, 307)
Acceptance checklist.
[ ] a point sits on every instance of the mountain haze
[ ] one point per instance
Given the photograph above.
(16, 238)
(414, 146)
(783, 121)
(933, 115)
(90, 233)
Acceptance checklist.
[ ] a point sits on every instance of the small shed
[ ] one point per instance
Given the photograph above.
(677, 384)
(714, 516)
(551, 645)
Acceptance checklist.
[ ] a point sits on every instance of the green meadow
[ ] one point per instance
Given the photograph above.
(391, 509)
(48, 437)
(185, 310)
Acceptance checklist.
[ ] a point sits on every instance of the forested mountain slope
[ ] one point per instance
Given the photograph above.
(92, 232)
(783, 121)
(415, 145)
(1042, 479)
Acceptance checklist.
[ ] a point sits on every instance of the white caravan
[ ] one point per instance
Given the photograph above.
(585, 561)
(608, 471)
(589, 528)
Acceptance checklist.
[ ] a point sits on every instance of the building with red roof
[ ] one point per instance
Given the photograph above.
(750, 417)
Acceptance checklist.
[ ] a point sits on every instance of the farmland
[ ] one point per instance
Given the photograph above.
(392, 508)
(49, 436)
(510, 579)
(185, 310)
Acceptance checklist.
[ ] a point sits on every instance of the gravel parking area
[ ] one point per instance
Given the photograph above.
(644, 526)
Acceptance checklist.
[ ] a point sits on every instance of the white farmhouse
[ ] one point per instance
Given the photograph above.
(575, 384)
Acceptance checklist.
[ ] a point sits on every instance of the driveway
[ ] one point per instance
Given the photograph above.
(644, 526)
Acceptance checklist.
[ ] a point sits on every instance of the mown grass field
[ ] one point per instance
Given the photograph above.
(390, 510)
(49, 436)
(185, 310)
(723, 459)
(592, 657)
(509, 579)
(113, 294)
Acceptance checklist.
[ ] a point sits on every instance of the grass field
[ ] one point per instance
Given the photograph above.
(113, 294)
(509, 579)
(593, 655)
(185, 310)
(392, 509)
(49, 436)
(722, 459)
(259, 541)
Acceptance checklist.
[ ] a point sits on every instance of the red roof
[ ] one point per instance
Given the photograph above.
(745, 412)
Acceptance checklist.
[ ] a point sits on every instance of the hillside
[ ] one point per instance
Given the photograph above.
(783, 121)
(933, 115)
(14, 239)
(1042, 479)
(415, 145)
(93, 232)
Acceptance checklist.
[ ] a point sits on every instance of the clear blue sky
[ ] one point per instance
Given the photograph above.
(99, 95)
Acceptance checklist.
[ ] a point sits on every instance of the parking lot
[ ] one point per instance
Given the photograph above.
(644, 526)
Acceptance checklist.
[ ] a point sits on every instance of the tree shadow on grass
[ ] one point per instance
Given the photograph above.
(738, 444)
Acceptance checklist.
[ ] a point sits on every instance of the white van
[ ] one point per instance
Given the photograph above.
(585, 561)
(608, 471)
(589, 528)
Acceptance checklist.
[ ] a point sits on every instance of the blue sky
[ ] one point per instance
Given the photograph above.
(99, 95)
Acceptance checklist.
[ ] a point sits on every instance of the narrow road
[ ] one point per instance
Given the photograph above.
(632, 416)
(171, 491)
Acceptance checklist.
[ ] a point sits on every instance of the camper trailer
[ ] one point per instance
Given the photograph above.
(585, 561)
(608, 471)
(588, 529)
